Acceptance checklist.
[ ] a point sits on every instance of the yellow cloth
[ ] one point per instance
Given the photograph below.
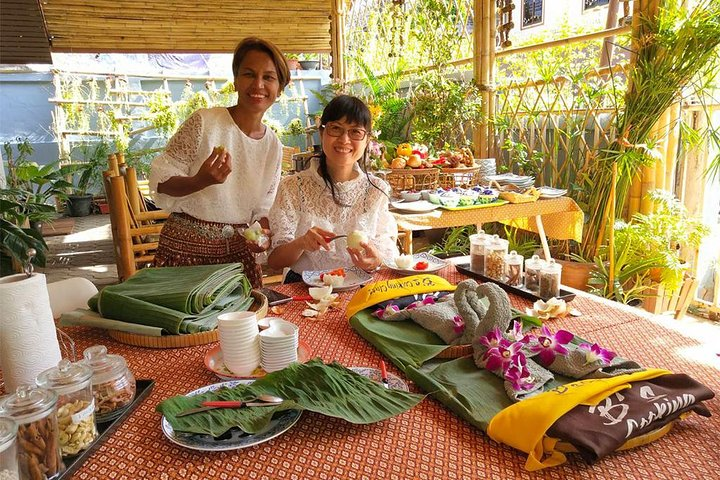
(523, 424)
(377, 292)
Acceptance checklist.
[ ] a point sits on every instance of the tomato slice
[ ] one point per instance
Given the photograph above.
(421, 266)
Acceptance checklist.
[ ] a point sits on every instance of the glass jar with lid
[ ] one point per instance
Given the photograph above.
(478, 242)
(514, 268)
(34, 411)
(496, 250)
(550, 280)
(8, 449)
(113, 383)
(76, 404)
(533, 266)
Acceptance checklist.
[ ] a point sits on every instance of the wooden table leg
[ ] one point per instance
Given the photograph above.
(543, 238)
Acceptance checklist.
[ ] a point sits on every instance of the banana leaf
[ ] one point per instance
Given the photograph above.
(328, 389)
(176, 299)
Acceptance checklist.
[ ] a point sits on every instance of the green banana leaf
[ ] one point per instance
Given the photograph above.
(328, 389)
(176, 299)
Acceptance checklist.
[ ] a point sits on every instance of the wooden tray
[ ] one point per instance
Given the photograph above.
(464, 268)
(259, 306)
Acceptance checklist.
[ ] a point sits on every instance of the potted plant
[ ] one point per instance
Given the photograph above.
(89, 175)
(293, 61)
(17, 240)
(307, 62)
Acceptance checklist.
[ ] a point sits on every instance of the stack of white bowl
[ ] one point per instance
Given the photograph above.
(239, 341)
(487, 168)
(278, 345)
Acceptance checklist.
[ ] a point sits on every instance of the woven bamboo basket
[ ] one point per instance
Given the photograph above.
(456, 351)
(259, 306)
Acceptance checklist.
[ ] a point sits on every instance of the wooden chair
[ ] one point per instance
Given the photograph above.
(134, 229)
(287, 158)
(411, 179)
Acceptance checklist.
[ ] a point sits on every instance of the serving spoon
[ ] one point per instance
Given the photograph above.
(264, 401)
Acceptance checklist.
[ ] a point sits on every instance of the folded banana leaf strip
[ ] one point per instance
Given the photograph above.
(328, 389)
(176, 299)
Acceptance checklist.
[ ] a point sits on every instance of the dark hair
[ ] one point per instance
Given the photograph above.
(352, 110)
(258, 44)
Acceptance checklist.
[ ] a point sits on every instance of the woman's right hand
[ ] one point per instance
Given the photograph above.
(215, 169)
(315, 239)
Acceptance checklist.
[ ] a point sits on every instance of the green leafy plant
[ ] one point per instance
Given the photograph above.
(89, 170)
(455, 241)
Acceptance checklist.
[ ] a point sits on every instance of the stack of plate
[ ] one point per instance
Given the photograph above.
(278, 345)
(487, 169)
(550, 192)
(523, 182)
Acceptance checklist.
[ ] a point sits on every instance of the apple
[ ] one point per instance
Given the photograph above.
(355, 238)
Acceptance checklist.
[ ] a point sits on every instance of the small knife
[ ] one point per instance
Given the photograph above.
(383, 374)
(212, 405)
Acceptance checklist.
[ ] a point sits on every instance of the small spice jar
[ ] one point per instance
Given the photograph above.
(478, 242)
(550, 280)
(34, 411)
(113, 383)
(76, 404)
(532, 273)
(514, 269)
(8, 449)
(495, 258)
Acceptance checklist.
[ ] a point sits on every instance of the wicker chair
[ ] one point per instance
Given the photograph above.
(411, 179)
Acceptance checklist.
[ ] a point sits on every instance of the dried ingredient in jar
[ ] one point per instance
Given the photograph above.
(549, 286)
(112, 395)
(532, 279)
(494, 264)
(38, 449)
(77, 435)
(514, 275)
(477, 262)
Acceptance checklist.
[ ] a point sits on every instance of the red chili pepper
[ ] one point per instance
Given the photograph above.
(421, 266)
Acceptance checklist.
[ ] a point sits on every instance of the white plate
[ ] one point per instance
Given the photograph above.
(234, 438)
(549, 192)
(434, 264)
(354, 277)
(394, 382)
(421, 206)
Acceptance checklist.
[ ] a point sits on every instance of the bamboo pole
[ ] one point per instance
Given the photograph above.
(633, 203)
(611, 230)
(664, 131)
(124, 255)
(564, 41)
(647, 184)
(606, 51)
(672, 146)
(337, 39)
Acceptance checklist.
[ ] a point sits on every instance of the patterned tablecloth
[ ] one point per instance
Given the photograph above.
(561, 217)
(428, 442)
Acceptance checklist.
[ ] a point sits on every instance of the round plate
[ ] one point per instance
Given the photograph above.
(214, 362)
(394, 382)
(421, 206)
(354, 277)
(234, 438)
(434, 264)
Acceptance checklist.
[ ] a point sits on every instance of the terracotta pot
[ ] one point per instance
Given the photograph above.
(576, 274)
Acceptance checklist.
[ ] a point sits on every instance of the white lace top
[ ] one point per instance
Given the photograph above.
(304, 201)
(249, 190)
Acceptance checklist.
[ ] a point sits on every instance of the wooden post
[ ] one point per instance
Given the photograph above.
(483, 72)
(672, 145)
(120, 219)
(607, 48)
(337, 40)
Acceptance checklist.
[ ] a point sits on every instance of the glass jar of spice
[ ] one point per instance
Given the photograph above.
(532, 273)
(514, 269)
(550, 280)
(495, 258)
(76, 405)
(113, 383)
(34, 411)
(478, 242)
(8, 449)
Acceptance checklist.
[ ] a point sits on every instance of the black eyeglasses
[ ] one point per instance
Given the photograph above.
(354, 133)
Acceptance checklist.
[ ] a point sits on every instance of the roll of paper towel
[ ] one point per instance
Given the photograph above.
(28, 341)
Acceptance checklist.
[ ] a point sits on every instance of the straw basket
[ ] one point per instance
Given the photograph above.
(456, 351)
(411, 179)
(259, 306)
(459, 177)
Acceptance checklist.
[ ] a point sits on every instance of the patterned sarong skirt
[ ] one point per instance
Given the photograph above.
(186, 240)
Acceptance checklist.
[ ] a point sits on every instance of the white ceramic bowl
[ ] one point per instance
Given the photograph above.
(410, 196)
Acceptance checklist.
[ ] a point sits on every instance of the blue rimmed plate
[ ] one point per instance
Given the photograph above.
(354, 277)
(234, 438)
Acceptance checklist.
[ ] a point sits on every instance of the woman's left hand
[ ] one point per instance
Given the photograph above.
(366, 257)
(263, 243)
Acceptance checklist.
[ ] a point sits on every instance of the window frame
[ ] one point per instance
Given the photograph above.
(542, 14)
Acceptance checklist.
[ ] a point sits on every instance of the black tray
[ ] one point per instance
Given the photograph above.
(464, 268)
(105, 429)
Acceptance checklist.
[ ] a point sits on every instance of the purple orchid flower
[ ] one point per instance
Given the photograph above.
(500, 357)
(517, 334)
(493, 338)
(389, 310)
(421, 303)
(459, 324)
(550, 344)
(518, 374)
(595, 353)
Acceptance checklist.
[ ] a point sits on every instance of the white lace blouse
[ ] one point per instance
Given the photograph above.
(249, 190)
(304, 201)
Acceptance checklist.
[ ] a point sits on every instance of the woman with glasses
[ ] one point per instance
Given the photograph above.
(335, 196)
(220, 171)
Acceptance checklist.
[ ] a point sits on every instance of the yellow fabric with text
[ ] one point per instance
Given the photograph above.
(523, 424)
(377, 292)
